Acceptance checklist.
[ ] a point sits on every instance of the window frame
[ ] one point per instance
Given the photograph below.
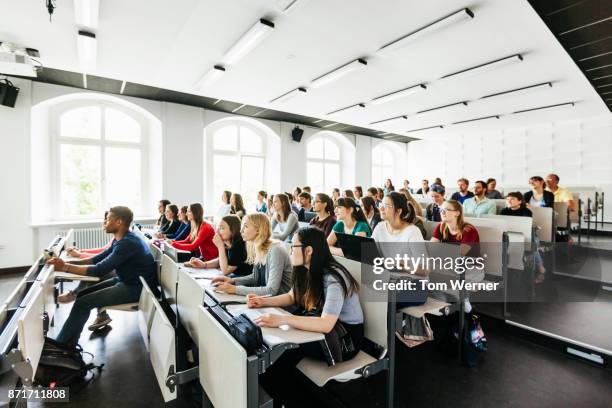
(325, 161)
(57, 140)
(381, 166)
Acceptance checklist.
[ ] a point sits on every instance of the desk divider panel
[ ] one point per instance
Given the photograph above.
(30, 332)
(543, 218)
(223, 364)
(146, 311)
(168, 278)
(47, 283)
(190, 295)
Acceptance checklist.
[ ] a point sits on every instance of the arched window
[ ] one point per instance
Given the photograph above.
(383, 164)
(238, 161)
(100, 153)
(323, 164)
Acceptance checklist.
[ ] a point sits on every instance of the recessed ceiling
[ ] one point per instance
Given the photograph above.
(171, 45)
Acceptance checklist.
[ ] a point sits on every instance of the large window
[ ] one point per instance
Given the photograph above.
(382, 165)
(238, 162)
(99, 157)
(323, 164)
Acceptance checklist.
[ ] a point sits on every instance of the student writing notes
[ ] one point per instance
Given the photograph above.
(231, 247)
(326, 300)
(271, 274)
(201, 234)
(128, 255)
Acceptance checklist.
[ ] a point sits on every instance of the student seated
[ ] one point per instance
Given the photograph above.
(237, 205)
(271, 272)
(424, 190)
(173, 223)
(516, 207)
(418, 210)
(306, 189)
(538, 196)
(453, 229)
(349, 194)
(225, 207)
(325, 218)
(406, 185)
(201, 234)
(161, 207)
(270, 205)
(373, 192)
(562, 194)
(389, 187)
(492, 193)
(335, 195)
(432, 212)
(325, 298)
(184, 227)
(262, 205)
(463, 193)
(479, 204)
(371, 211)
(231, 247)
(305, 205)
(128, 255)
(294, 199)
(397, 226)
(358, 194)
(351, 220)
(284, 221)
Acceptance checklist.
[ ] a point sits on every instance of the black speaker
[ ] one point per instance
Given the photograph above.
(296, 134)
(8, 93)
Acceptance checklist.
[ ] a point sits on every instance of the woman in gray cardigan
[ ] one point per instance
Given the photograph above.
(284, 219)
(271, 264)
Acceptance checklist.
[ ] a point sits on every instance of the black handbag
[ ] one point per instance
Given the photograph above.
(338, 345)
(247, 333)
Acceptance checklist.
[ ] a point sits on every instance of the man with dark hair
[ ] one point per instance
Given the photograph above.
(305, 205)
(479, 204)
(162, 221)
(128, 255)
(492, 193)
(424, 188)
(463, 193)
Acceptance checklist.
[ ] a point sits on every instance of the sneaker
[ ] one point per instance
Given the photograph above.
(101, 320)
(66, 297)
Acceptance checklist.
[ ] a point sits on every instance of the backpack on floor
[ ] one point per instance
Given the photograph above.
(473, 339)
(62, 366)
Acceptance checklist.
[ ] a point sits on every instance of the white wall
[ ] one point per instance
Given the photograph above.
(183, 162)
(578, 151)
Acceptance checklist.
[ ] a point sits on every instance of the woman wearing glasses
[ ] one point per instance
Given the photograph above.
(325, 218)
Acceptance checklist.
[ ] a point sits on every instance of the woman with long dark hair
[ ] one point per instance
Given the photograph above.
(371, 211)
(351, 220)
(237, 205)
(325, 218)
(284, 221)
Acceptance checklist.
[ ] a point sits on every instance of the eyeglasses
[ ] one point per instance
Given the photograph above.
(445, 210)
(296, 246)
(387, 205)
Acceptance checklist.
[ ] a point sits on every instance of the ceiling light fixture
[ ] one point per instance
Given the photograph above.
(389, 119)
(338, 73)
(559, 105)
(476, 119)
(289, 6)
(462, 14)
(330, 125)
(483, 67)
(464, 103)
(346, 109)
(522, 91)
(398, 94)
(87, 47)
(248, 41)
(291, 94)
(211, 76)
(86, 13)
(425, 128)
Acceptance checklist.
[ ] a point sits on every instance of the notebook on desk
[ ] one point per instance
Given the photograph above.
(74, 276)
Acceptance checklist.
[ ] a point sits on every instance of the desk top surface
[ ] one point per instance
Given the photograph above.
(273, 335)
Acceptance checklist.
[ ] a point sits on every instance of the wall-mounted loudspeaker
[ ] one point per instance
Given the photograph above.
(8, 93)
(296, 134)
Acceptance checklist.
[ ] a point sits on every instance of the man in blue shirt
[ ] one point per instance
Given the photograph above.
(128, 255)
(479, 204)
(463, 193)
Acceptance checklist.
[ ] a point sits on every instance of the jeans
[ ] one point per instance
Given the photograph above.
(107, 293)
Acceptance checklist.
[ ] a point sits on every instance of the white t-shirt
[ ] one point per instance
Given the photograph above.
(410, 235)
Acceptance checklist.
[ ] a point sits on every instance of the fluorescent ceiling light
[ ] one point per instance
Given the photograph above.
(289, 95)
(238, 108)
(122, 87)
(476, 119)
(330, 125)
(484, 67)
(86, 13)
(464, 103)
(425, 128)
(559, 105)
(211, 76)
(463, 14)
(87, 47)
(346, 109)
(522, 91)
(248, 41)
(398, 94)
(338, 73)
(389, 119)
